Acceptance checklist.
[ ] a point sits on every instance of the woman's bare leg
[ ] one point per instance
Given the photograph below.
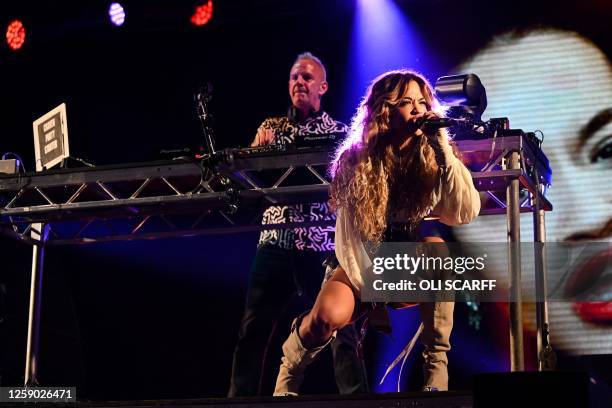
(333, 309)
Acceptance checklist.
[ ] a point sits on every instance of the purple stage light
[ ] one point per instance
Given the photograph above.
(116, 14)
(383, 39)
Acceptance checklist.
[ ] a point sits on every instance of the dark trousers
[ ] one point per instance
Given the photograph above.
(276, 275)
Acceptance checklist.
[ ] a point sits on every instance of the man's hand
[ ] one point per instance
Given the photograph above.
(263, 137)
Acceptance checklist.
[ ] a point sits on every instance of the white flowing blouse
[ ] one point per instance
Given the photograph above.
(455, 201)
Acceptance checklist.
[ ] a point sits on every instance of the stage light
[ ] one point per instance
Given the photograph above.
(384, 38)
(202, 14)
(15, 35)
(116, 14)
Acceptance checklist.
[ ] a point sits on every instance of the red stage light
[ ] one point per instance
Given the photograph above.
(202, 14)
(15, 35)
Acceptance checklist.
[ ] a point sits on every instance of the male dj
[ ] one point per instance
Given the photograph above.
(289, 261)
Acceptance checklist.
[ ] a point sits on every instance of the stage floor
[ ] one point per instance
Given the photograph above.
(450, 399)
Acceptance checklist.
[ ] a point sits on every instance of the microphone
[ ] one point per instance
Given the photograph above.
(439, 123)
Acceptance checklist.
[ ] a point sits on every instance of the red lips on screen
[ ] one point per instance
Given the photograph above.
(586, 282)
(595, 312)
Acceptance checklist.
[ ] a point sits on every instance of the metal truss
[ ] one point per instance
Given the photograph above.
(488, 160)
(219, 195)
(160, 199)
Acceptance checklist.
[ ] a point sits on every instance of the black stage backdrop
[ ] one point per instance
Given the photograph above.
(159, 319)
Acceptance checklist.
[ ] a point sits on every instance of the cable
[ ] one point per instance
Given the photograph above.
(86, 163)
(205, 172)
(492, 149)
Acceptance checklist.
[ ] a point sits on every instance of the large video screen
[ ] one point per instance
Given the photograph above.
(559, 83)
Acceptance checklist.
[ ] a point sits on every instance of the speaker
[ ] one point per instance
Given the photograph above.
(9, 166)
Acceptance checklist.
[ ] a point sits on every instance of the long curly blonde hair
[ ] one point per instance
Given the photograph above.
(371, 177)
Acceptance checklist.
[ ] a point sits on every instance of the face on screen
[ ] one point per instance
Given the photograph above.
(560, 83)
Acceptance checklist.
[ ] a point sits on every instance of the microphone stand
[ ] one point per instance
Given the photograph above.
(202, 97)
(212, 158)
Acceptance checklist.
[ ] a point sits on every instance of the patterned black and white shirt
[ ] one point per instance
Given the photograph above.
(307, 238)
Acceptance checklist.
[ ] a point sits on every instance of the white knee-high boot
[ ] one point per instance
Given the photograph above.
(295, 359)
(437, 326)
